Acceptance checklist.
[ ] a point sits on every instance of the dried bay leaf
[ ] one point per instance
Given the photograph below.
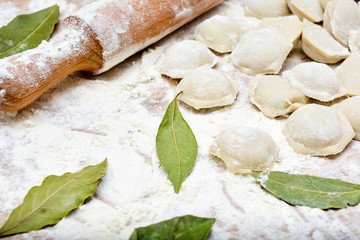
(310, 191)
(185, 227)
(176, 145)
(53, 199)
(27, 31)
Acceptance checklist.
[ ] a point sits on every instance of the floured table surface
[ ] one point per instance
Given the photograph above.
(84, 119)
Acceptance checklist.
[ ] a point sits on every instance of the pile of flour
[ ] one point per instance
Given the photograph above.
(84, 119)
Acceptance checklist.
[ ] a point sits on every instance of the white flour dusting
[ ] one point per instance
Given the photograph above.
(84, 119)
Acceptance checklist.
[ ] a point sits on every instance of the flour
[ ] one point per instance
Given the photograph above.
(84, 119)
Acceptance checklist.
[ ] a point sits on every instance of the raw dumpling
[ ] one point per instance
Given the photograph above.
(183, 56)
(261, 51)
(205, 88)
(289, 26)
(319, 44)
(266, 8)
(318, 130)
(309, 9)
(350, 108)
(219, 33)
(348, 73)
(274, 96)
(315, 80)
(245, 149)
(340, 17)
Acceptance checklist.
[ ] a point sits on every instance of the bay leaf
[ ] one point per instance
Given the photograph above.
(27, 31)
(53, 199)
(310, 191)
(180, 228)
(176, 145)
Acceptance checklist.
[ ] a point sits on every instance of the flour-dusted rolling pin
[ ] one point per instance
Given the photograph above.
(95, 39)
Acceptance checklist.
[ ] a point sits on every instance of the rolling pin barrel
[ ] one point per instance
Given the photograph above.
(97, 38)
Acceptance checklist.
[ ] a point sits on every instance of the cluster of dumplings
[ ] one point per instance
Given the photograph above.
(201, 85)
(314, 129)
(328, 32)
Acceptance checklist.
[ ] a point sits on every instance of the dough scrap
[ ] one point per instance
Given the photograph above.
(266, 8)
(184, 56)
(315, 80)
(309, 9)
(350, 108)
(290, 26)
(205, 88)
(340, 17)
(274, 96)
(245, 149)
(219, 33)
(261, 51)
(348, 73)
(319, 44)
(318, 130)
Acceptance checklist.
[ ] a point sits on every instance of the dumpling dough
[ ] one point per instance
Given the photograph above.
(184, 56)
(266, 8)
(354, 40)
(205, 88)
(309, 9)
(219, 33)
(289, 26)
(245, 149)
(348, 73)
(318, 130)
(274, 96)
(261, 51)
(340, 17)
(320, 45)
(323, 3)
(315, 80)
(350, 108)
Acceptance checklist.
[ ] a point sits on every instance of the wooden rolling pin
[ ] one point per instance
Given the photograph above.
(94, 40)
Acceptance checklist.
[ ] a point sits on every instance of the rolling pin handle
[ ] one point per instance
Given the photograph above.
(27, 75)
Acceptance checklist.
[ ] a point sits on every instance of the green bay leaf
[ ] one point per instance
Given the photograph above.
(27, 31)
(180, 228)
(53, 199)
(176, 145)
(310, 191)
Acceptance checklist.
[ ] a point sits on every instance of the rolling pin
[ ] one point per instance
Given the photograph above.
(93, 40)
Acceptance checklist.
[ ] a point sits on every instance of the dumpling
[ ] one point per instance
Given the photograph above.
(315, 80)
(266, 8)
(261, 51)
(319, 44)
(274, 96)
(205, 88)
(183, 56)
(245, 149)
(340, 17)
(350, 108)
(348, 72)
(289, 26)
(309, 9)
(318, 130)
(219, 33)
